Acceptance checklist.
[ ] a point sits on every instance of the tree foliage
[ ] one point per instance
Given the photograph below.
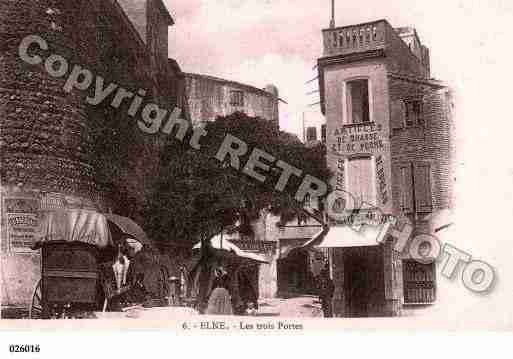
(197, 196)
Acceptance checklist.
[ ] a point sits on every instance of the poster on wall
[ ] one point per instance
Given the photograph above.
(22, 223)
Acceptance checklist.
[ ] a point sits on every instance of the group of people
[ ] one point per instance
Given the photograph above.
(222, 302)
(226, 297)
(143, 281)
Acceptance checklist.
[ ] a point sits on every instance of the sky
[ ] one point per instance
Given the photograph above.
(276, 41)
(279, 41)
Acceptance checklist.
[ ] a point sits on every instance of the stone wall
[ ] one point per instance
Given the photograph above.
(56, 149)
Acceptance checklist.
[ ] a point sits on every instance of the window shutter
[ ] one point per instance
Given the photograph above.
(423, 200)
(397, 114)
(432, 108)
(361, 179)
(405, 174)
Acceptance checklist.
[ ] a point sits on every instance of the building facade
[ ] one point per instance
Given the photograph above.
(209, 97)
(57, 150)
(389, 135)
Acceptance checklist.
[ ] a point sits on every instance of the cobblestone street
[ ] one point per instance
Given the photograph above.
(305, 306)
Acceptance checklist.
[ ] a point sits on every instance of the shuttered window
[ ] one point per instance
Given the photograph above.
(397, 114)
(406, 113)
(415, 188)
(406, 182)
(361, 179)
(414, 113)
(237, 98)
(419, 282)
(423, 202)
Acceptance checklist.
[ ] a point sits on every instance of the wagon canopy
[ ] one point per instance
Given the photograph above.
(74, 226)
(87, 226)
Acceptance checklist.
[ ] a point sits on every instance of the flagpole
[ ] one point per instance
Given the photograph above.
(332, 21)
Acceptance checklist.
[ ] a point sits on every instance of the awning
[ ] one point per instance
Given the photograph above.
(287, 246)
(345, 236)
(222, 244)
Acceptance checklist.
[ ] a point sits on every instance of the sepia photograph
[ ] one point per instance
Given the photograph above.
(254, 166)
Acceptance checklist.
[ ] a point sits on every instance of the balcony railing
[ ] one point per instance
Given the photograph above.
(354, 38)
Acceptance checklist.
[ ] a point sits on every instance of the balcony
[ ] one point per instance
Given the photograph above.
(355, 38)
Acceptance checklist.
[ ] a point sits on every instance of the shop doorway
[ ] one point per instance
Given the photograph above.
(364, 286)
(294, 276)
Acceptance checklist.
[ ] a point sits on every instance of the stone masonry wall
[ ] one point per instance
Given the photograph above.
(56, 150)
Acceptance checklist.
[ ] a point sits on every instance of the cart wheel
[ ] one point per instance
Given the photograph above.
(36, 306)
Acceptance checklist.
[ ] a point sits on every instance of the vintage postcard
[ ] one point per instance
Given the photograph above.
(255, 166)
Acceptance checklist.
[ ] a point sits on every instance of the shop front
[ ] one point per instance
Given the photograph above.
(363, 270)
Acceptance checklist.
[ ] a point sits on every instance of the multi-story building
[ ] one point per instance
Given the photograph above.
(389, 143)
(209, 97)
(58, 150)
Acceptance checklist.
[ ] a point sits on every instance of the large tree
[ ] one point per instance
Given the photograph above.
(197, 196)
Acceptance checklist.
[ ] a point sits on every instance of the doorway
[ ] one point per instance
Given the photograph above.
(364, 286)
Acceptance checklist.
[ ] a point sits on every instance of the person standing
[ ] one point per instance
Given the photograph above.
(220, 302)
(326, 289)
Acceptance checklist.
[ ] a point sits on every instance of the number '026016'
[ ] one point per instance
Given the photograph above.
(26, 348)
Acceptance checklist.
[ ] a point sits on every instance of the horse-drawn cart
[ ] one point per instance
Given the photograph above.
(75, 246)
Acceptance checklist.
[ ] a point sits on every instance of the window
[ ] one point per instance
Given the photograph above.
(360, 179)
(422, 187)
(311, 134)
(414, 113)
(323, 133)
(357, 98)
(419, 282)
(237, 98)
(415, 182)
